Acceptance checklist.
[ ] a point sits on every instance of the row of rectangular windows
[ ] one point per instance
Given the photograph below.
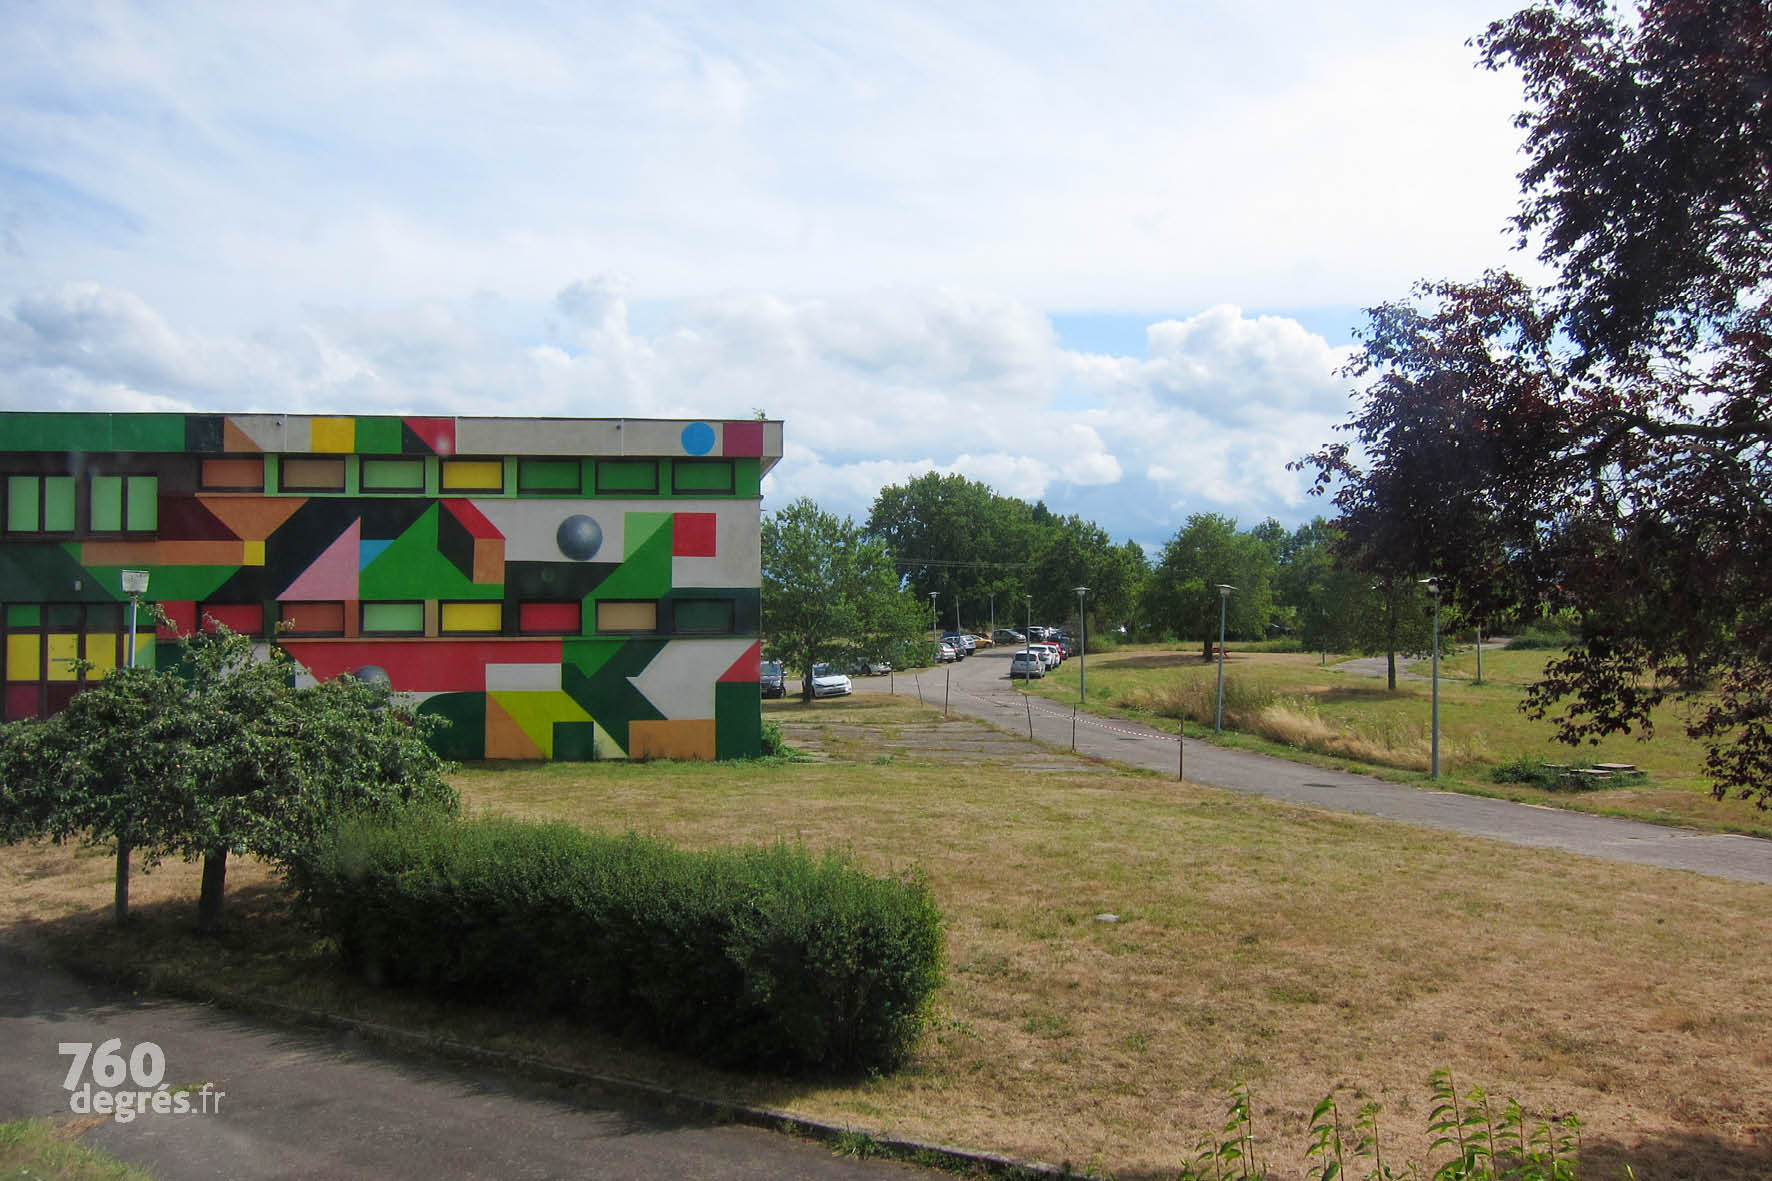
(52, 504)
(405, 476)
(410, 618)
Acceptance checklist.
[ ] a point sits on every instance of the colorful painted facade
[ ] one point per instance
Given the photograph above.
(556, 588)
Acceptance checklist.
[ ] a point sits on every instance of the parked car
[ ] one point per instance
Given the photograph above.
(958, 642)
(1005, 635)
(945, 653)
(771, 679)
(978, 641)
(869, 668)
(828, 682)
(1049, 653)
(1026, 664)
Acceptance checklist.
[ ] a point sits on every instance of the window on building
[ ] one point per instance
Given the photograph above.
(549, 477)
(311, 473)
(618, 616)
(393, 475)
(627, 477)
(473, 475)
(551, 619)
(479, 618)
(702, 477)
(232, 473)
(702, 615)
(311, 619)
(246, 618)
(40, 504)
(125, 504)
(392, 619)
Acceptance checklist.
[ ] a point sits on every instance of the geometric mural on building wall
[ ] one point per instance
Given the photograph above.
(569, 588)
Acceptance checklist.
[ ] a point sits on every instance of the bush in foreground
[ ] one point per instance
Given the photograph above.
(766, 958)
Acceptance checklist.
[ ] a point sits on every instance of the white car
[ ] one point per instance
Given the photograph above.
(1027, 664)
(1048, 652)
(828, 682)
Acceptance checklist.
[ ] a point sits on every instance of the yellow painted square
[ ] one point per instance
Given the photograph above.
(333, 434)
(102, 651)
(253, 553)
(473, 475)
(472, 617)
(63, 651)
(22, 658)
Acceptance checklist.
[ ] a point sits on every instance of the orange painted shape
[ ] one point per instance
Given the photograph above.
(747, 668)
(252, 518)
(688, 739)
(504, 738)
(489, 561)
(235, 439)
(163, 553)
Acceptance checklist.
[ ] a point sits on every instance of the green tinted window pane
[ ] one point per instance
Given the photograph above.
(104, 617)
(714, 476)
(703, 615)
(107, 504)
(21, 504)
(393, 617)
(63, 616)
(627, 475)
(58, 504)
(394, 475)
(24, 615)
(144, 504)
(548, 475)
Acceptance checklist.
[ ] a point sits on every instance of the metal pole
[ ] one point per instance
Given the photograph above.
(1479, 654)
(1436, 770)
(1224, 597)
(133, 601)
(993, 617)
(1082, 648)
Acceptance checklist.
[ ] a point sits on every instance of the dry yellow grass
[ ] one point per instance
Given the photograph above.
(1289, 949)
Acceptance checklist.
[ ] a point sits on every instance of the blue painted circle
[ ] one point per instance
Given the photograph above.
(698, 438)
(579, 537)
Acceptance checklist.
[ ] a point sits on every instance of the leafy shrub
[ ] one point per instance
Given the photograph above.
(1550, 633)
(774, 743)
(767, 958)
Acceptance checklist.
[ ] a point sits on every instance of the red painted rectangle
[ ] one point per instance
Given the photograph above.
(246, 618)
(551, 618)
(742, 438)
(181, 620)
(320, 619)
(21, 702)
(473, 520)
(692, 535)
(422, 666)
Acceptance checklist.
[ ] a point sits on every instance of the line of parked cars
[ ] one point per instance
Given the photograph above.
(1043, 649)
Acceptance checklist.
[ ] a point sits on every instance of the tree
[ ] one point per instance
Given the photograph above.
(221, 754)
(956, 538)
(1604, 445)
(830, 591)
(1182, 591)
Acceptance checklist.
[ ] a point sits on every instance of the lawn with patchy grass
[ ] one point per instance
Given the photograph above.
(1292, 705)
(1292, 950)
(44, 1148)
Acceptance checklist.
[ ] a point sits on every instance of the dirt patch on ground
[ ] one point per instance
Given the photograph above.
(956, 741)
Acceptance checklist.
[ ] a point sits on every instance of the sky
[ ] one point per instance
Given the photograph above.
(1109, 256)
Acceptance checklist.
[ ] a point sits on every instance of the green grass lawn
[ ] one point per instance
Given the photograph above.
(1292, 705)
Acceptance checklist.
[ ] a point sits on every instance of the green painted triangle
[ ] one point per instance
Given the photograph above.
(412, 568)
(640, 528)
(588, 655)
(646, 571)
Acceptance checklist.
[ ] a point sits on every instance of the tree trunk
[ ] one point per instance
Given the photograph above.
(1390, 644)
(215, 884)
(121, 906)
(1206, 648)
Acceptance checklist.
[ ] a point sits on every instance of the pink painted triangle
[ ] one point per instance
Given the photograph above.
(333, 574)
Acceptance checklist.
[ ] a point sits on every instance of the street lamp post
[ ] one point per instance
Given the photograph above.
(1224, 598)
(135, 585)
(1027, 640)
(1434, 589)
(1082, 647)
(993, 617)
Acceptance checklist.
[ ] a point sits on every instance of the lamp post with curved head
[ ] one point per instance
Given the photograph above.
(1433, 588)
(1027, 639)
(1082, 647)
(135, 585)
(1224, 598)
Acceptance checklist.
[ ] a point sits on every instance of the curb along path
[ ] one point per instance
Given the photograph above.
(980, 687)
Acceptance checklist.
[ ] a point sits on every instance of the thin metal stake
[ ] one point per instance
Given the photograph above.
(1027, 701)
(1073, 729)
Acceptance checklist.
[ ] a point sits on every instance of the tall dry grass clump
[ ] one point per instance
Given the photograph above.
(1392, 741)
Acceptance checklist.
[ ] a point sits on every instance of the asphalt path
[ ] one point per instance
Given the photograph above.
(265, 1102)
(979, 686)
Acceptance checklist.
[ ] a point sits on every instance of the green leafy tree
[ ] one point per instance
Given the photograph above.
(830, 591)
(220, 755)
(963, 542)
(1182, 592)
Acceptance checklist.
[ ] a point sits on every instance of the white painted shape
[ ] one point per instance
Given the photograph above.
(738, 546)
(680, 680)
(538, 436)
(531, 527)
(523, 678)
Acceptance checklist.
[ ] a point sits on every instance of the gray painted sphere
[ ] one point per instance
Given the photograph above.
(579, 537)
(374, 674)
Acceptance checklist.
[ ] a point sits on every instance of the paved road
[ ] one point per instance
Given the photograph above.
(288, 1103)
(980, 687)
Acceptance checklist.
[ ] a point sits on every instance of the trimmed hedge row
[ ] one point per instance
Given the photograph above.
(766, 958)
